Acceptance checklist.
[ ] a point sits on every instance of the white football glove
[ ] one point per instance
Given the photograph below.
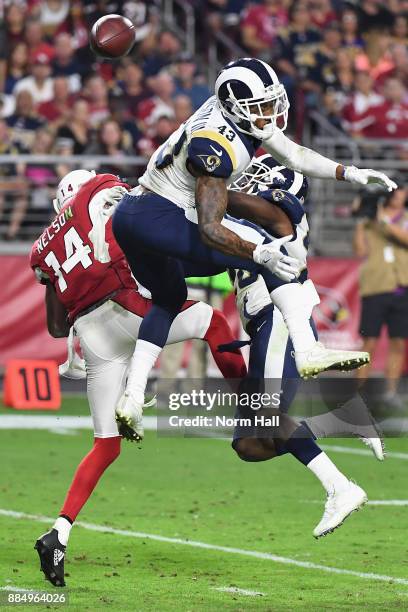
(270, 256)
(361, 176)
(113, 195)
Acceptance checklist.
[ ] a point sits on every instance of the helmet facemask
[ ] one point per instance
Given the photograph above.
(257, 177)
(273, 107)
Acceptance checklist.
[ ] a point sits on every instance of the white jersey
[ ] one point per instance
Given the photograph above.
(210, 143)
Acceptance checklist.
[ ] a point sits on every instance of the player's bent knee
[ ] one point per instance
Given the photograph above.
(253, 449)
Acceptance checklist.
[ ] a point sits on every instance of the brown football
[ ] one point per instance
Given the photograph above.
(112, 36)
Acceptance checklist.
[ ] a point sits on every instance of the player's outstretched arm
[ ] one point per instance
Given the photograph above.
(260, 211)
(57, 316)
(211, 201)
(313, 164)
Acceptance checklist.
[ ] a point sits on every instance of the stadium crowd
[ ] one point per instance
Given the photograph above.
(349, 60)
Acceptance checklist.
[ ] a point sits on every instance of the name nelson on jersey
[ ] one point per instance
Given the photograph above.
(52, 230)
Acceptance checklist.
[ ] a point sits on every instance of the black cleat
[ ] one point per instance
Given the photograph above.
(51, 553)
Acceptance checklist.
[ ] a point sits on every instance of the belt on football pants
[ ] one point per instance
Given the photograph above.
(95, 305)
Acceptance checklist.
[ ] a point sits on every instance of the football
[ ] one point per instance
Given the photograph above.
(112, 36)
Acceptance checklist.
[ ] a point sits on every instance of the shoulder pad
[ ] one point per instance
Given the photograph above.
(212, 152)
(286, 201)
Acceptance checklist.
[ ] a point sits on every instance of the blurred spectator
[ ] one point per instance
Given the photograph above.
(321, 13)
(161, 103)
(42, 179)
(390, 119)
(187, 83)
(345, 74)
(400, 60)
(182, 109)
(34, 37)
(96, 94)
(24, 122)
(376, 59)
(14, 22)
(383, 243)
(321, 71)
(64, 62)
(59, 107)
(399, 30)
(159, 131)
(131, 88)
(111, 140)
(39, 83)
(12, 186)
(362, 101)
(259, 27)
(63, 147)
(295, 45)
(332, 109)
(372, 15)
(168, 48)
(17, 67)
(77, 128)
(52, 14)
(349, 29)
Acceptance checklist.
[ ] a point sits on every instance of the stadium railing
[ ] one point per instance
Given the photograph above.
(329, 205)
(330, 202)
(26, 198)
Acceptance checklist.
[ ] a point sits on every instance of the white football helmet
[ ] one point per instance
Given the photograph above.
(69, 186)
(248, 89)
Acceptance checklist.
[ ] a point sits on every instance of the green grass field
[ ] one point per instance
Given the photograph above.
(198, 490)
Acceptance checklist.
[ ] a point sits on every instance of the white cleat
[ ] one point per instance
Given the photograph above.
(129, 417)
(319, 359)
(376, 445)
(339, 506)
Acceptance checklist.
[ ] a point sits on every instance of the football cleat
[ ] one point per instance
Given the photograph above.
(129, 417)
(320, 359)
(52, 554)
(358, 421)
(376, 445)
(339, 506)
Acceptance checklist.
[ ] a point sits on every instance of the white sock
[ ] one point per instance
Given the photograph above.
(63, 526)
(296, 313)
(325, 470)
(144, 357)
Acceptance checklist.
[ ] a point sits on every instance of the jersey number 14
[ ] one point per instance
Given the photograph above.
(76, 253)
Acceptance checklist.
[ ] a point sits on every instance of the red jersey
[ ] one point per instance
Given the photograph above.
(63, 254)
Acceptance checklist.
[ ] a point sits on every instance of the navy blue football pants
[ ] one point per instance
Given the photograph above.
(163, 247)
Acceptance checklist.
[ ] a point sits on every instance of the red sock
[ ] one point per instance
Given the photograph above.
(89, 471)
(231, 365)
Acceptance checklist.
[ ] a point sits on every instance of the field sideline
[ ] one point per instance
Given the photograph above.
(183, 524)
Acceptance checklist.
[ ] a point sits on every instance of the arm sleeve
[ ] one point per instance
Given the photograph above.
(299, 158)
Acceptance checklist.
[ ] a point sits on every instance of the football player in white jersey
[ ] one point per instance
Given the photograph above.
(271, 363)
(174, 223)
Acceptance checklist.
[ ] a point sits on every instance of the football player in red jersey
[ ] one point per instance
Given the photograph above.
(89, 286)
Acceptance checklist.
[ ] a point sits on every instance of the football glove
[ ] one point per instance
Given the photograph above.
(361, 176)
(270, 256)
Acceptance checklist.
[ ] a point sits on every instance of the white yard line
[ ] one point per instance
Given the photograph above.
(237, 591)
(14, 589)
(349, 450)
(371, 502)
(225, 549)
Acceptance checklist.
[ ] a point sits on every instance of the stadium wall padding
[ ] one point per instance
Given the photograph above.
(24, 335)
